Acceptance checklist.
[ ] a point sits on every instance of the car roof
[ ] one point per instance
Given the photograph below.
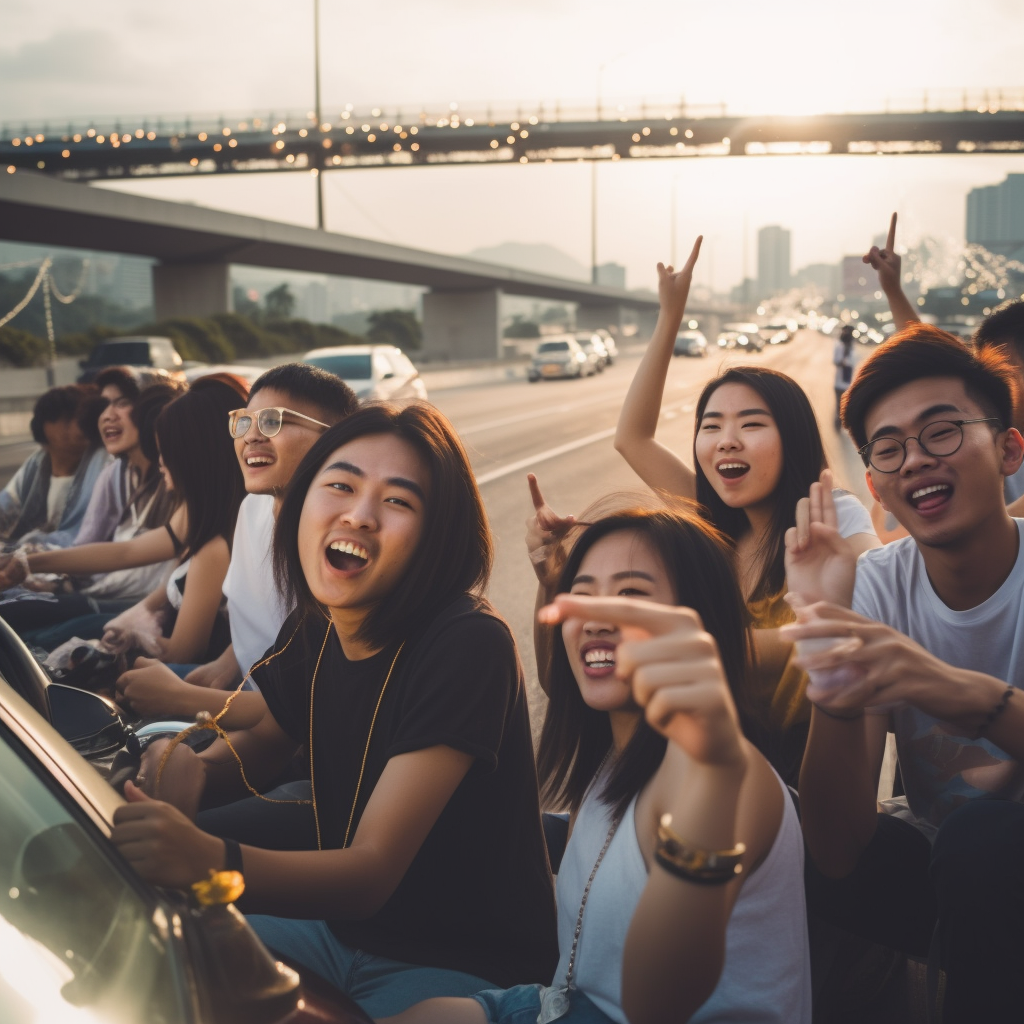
(349, 350)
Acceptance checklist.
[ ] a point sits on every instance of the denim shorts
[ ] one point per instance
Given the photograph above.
(520, 1005)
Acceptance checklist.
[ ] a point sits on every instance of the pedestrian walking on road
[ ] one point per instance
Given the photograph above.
(842, 358)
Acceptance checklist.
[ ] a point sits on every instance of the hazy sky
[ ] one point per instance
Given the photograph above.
(63, 59)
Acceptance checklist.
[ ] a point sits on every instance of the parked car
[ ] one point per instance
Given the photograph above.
(143, 353)
(560, 357)
(82, 936)
(690, 343)
(777, 333)
(609, 343)
(371, 371)
(247, 373)
(741, 335)
(592, 344)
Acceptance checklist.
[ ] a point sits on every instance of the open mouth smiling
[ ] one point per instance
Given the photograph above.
(347, 556)
(598, 659)
(732, 469)
(930, 497)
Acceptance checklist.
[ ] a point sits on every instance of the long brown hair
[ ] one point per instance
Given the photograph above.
(575, 737)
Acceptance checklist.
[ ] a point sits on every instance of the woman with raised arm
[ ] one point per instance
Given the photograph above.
(756, 451)
(428, 873)
(680, 892)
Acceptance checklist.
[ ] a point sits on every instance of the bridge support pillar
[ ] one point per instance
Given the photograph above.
(611, 316)
(190, 289)
(462, 325)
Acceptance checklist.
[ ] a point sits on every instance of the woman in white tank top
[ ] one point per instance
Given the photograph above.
(680, 893)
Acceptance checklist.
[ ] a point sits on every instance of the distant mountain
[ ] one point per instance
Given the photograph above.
(540, 259)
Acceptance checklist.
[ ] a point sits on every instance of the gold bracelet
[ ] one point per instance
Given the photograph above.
(709, 867)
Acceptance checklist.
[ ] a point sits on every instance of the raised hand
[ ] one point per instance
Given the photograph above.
(674, 669)
(544, 529)
(673, 285)
(886, 261)
(819, 563)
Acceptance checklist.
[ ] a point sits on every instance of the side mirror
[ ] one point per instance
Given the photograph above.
(92, 724)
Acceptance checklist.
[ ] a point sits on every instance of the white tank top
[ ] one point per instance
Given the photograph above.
(766, 977)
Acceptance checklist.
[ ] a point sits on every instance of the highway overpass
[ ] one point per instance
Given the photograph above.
(195, 247)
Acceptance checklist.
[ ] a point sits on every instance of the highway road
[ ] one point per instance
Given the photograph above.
(562, 431)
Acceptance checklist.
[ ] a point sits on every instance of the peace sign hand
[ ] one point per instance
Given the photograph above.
(674, 286)
(886, 261)
(674, 669)
(544, 529)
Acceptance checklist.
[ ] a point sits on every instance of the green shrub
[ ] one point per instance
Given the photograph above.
(19, 348)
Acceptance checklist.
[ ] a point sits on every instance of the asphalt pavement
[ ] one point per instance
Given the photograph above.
(562, 431)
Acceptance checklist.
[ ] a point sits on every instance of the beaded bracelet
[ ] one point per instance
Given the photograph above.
(995, 712)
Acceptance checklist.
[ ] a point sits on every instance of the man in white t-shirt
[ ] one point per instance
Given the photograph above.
(930, 635)
(289, 408)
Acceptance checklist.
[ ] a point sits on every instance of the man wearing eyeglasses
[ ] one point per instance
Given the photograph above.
(289, 407)
(928, 643)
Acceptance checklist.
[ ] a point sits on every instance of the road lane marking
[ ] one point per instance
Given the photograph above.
(669, 412)
(550, 453)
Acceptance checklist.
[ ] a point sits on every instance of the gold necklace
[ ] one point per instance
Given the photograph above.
(366, 750)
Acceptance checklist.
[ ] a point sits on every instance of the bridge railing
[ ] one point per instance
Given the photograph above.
(455, 115)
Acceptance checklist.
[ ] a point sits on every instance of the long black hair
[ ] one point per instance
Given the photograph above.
(803, 459)
(575, 737)
(199, 453)
(455, 550)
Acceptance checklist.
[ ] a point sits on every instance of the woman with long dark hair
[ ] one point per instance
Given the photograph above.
(421, 868)
(196, 457)
(756, 452)
(680, 892)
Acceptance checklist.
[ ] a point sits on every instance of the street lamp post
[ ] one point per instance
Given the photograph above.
(318, 168)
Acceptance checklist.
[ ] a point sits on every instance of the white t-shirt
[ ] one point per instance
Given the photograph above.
(256, 610)
(842, 358)
(940, 770)
(56, 499)
(767, 971)
(851, 516)
(1013, 486)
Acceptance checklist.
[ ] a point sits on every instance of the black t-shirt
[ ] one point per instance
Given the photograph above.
(478, 895)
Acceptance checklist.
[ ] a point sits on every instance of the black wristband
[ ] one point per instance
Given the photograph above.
(233, 856)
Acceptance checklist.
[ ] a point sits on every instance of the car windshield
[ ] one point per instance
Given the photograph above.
(131, 353)
(77, 942)
(349, 366)
(554, 346)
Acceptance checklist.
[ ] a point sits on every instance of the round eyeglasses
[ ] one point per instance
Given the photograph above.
(269, 421)
(940, 438)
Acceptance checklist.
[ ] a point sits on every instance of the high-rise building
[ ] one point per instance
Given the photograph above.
(995, 216)
(773, 274)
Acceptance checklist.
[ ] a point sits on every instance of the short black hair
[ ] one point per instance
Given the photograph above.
(331, 396)
(59, 403)
(1004, 326)
(455, 550)
(920, 351)
(124, 378)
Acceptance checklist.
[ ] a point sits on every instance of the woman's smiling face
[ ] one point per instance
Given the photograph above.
(622, 564)
(738, 446)
(362, 520)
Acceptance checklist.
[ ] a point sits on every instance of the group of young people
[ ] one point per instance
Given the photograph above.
(722, 665)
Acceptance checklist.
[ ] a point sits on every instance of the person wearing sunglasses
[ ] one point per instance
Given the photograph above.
(926, 643)
(289, 408)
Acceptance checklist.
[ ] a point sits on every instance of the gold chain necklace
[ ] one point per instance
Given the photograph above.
(366, 749)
